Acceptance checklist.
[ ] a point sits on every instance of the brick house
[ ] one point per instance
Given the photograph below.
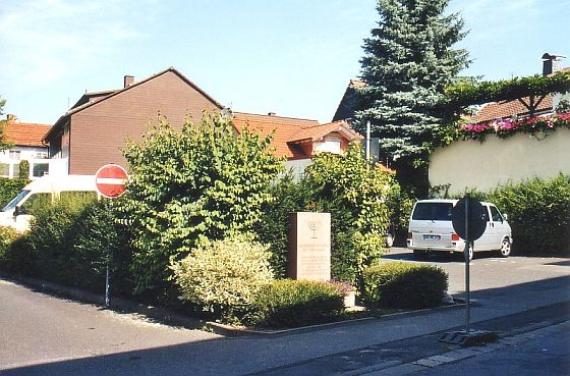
(92, 132)
(25, 141)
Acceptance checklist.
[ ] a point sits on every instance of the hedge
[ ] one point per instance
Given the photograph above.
(539, 214)
(9, 188)
(290, 303)
(404, 285)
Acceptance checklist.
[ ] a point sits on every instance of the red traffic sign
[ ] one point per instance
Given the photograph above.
(111, 180)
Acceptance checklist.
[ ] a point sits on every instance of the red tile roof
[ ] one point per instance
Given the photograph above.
(287, 132)
(25, 134)
(498, 110)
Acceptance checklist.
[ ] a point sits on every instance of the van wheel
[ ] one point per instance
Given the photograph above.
(419, 254)
(505, 248)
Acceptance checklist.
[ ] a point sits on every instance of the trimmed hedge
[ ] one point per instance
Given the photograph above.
(289, 303)
(404, 285)
(539, 214)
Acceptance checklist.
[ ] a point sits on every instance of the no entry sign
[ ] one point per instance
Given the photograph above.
(111, 180)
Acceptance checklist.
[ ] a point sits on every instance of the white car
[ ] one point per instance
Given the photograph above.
(430, 230)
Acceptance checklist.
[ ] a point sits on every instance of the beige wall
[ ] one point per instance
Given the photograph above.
(471, 164)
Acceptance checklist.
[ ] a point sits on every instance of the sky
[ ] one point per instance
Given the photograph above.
(291, 57)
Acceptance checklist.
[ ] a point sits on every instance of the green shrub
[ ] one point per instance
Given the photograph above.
(404, 285)
(7, 236)
(24, 171)
(213, 183)
(100, 235)
(9, 188)
(539, 214)
(355, 192)
(289, 303)
(223, 275)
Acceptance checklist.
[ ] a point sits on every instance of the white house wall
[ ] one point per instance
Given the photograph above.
(471, 164)
(330, 144)
(297, 167)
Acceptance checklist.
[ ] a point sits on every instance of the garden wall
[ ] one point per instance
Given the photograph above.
(470, 164)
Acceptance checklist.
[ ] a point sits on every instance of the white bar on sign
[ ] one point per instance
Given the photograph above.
(111, 181)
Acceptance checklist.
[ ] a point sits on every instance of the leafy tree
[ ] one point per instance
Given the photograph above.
(355, 192)
(408, 62)
(203, 181)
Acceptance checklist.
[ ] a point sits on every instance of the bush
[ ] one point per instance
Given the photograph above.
(403, 285)
(538, 212)
(9, 188)
(7, 237)
(213, 183)
(224, 275)
(355, 192)
(24, 171)
(289, 303)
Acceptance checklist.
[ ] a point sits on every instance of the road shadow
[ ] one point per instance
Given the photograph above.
(244, 355)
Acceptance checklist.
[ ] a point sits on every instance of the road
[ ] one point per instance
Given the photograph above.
(45, 335)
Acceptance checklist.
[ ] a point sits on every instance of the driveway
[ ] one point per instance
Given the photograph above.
(489, 271)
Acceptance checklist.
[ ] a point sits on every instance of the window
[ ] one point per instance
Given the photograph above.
(15, 154)
(497, 217)
(433, 211)
(35, 202)
(40, 169)
(4, 169)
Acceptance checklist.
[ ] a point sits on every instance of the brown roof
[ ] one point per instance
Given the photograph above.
(89, 99)
(498, 110)
(25, 134)
(287, 132)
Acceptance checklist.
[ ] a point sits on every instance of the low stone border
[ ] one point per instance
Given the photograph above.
(233, 331)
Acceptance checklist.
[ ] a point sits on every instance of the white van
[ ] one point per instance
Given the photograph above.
(47, 188)
(430, 230)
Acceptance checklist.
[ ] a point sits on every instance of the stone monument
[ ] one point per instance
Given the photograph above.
(309, 246)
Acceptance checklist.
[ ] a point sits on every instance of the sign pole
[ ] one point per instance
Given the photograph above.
(110, 181)
(467, 245)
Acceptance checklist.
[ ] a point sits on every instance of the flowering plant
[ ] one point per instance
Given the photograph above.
(510, 126)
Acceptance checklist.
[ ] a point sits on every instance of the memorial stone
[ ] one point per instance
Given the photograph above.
(309, 246)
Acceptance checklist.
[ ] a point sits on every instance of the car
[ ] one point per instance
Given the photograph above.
(431, 230)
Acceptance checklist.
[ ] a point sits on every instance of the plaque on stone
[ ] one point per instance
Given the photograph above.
(309, 246)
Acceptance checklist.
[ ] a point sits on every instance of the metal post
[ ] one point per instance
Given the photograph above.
(368, 140)
(107, 281)
(467, 245)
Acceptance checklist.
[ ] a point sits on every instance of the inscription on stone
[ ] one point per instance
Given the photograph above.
(309, 246)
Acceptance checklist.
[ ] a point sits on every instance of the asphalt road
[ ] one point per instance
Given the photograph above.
(44, 335)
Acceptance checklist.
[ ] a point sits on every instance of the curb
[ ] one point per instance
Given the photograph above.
(232, 331)
(160, 314)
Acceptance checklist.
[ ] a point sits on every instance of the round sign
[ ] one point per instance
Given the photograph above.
(111, 180)
(475, 221)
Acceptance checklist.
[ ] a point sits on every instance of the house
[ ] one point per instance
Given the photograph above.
(93, 131)
(298, 139)
(471, 164)
(25, 140)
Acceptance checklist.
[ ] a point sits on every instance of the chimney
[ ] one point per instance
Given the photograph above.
(128, 80)
(271, 114)
(551, 63)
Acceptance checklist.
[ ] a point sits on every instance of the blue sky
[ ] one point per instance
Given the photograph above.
(292, 57)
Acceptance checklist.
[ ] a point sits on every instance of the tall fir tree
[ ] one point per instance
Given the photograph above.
(408, 61)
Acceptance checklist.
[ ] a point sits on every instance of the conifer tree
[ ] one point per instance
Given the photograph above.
(408, 61)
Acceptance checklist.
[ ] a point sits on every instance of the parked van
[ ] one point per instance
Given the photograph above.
(431, 230)
(16, 213)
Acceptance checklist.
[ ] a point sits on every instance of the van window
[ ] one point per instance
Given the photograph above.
(497, 217)
(36, 201)
(433, 211)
